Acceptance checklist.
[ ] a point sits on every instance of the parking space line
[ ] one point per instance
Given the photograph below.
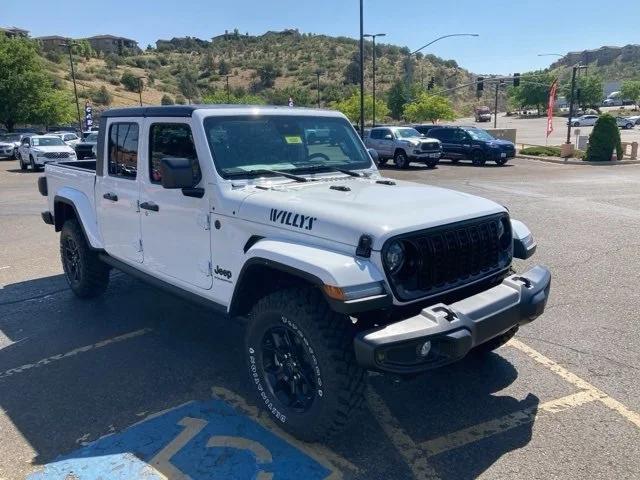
(505, 423)
(71, 353)
(573, 379)
(412, 453)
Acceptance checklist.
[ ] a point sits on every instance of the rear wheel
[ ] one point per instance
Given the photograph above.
(23, 166)
(576, 124)
(87, 275)
(478, 159)
(401, 160)
(302, 365)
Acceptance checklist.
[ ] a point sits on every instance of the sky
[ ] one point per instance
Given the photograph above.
(512, 32)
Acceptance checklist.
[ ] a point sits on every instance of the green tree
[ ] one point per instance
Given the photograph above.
(301, 96)
(56, 107)
(130, 81)
(188, 84)
(589, 90)
(397, 97)
(180, 100)
(604, 139)
(25, 89)
(220, 97)
(224, 68)
(268, 72)
(102, 96)
(112, 61)
(533, 90)
(166, 100)
(429, 107)
(631, 91)
(351, 107)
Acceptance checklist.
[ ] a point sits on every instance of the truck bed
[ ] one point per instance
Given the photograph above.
(89, 165)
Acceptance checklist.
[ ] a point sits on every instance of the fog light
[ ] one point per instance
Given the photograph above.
(425, 349)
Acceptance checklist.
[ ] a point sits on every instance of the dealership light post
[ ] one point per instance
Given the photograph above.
(373, 37)
(69, 45)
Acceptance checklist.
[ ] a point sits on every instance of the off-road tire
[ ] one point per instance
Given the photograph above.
(501, 161)
(495, 343)
(23, 166)
(478, 158)
(90, 277)
(382, 161)
(326, 338)
(401, 160)
(431, 164)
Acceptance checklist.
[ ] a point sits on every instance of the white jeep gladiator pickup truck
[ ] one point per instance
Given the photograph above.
(233, 207)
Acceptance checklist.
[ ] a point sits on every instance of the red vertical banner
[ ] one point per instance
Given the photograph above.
(553, 95)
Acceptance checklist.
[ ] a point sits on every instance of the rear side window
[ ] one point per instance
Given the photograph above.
(376, 134)
(441, 133)
(171, 140)
(123, 150)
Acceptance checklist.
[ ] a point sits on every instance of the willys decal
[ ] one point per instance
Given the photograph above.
(292, 219)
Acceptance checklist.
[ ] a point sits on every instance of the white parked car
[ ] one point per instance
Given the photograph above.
(69, 138)
(583, 121)
(635, 119)
(626, 123)
(9, 143)
(38, 150)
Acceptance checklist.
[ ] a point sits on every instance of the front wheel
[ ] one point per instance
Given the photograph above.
(23, 166)
(401, 160)
(478, 158)
(87, 275)
(432, 163)
(501, 161)
(302, 365)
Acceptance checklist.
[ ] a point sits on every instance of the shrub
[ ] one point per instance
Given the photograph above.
(102, 96)
(603, 140)
(541, 151)
(129, 81)
(166, 100)
(180, 100)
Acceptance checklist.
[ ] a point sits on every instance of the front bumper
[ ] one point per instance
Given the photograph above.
(453, 330)
(496, 154)
(426, 156)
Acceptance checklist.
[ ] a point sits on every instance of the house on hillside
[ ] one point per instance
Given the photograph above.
(51, 42)
(12, 32)
(112, 44)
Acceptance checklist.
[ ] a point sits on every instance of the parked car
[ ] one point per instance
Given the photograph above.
(337, 269)
(69, 138)
(626, 123)
(404, 145)
(482, 114)
(583, 121)
(635, 119)
(9, 143)
(472, 143)
(85, 149)
(38, 150)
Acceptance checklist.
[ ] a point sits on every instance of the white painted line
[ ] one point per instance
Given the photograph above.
(61, 356)
(503, 424)
(413, 454)
(5, 267)
(573, 379)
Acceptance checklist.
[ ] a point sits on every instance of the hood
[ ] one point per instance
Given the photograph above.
(415, 141)
(500, 143)
(54, 148)
(325, 209)
(7, 144)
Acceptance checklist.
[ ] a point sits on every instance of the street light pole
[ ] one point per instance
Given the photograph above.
(571, 101)
(69, 46)
(140, 88)
(445, 36)
(373, 37)
(318, 74)
(362, 68)
(228, 90)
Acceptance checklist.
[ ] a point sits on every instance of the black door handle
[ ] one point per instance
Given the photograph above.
(150, 206)
(110, 196)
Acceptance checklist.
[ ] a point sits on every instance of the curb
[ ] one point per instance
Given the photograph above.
(574, 161)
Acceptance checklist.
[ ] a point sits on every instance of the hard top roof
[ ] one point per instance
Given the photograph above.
(187, 110)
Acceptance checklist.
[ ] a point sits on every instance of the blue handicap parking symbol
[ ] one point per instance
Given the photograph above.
(198, 441)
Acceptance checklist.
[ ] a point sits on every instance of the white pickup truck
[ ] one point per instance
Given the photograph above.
(234, 208)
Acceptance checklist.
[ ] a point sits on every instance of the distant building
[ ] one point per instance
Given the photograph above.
(12, 32)
(112, 44)
(51, 42)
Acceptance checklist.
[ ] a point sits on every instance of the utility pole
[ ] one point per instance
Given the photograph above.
(140, 88)
(572, 101)
(69, 46)
(495, 106)
(373, 37)
(228, 90)
(318, 73)
(362, 68)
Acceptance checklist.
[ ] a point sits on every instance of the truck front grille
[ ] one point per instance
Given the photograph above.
(448, 257)
(56, 155)
(429, 146)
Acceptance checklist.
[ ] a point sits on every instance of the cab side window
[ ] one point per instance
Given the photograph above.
(459, 135)
(123, 150)
(171, 140)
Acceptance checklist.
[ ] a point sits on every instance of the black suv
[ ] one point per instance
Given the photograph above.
(469, 142)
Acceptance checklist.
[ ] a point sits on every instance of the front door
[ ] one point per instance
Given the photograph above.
(117, 191)
(175, 226)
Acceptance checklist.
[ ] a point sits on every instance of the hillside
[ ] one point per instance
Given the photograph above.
(611, 63)
(271, 68)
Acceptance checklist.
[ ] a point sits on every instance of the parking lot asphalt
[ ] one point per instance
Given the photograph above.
(139, 383)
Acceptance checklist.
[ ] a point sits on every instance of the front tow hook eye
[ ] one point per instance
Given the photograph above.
(450, 316)
(525, 281)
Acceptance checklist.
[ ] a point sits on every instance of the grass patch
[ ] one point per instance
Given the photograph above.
(541, 151)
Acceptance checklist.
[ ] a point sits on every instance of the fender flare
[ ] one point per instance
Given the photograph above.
(524, 246)
(83, 211)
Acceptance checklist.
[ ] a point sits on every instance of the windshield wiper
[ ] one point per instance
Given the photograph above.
(261, 171)
(318, 168)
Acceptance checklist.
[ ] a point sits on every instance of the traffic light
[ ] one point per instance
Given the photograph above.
(516, 79)
(431, 84)
(480, 84)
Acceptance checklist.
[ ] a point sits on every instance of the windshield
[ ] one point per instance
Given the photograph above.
(478, 134)
(284, 143)
(10, 137)
(46, 141)
(92, 137)
(407, 132)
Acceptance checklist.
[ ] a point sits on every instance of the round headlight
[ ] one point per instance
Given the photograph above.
(504, 233)
(394, 257)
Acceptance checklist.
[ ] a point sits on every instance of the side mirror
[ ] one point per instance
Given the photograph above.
(176, 173)
(388, 137)
(374, 155)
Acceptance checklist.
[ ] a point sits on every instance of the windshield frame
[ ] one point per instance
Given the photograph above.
(50, 138)
(353, 165)
(399, 129)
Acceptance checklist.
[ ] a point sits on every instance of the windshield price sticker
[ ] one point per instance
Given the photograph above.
(293, 139)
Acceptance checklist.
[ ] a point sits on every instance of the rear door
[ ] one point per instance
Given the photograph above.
(117, 190)
(175, 223)
(445, 135)
(461, 142)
